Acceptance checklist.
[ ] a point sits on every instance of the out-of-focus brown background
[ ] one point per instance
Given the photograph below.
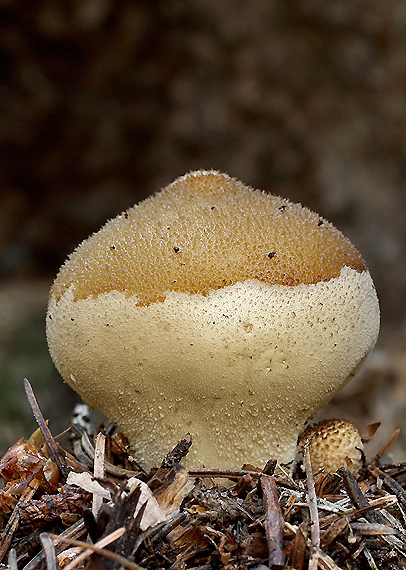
(103, 102)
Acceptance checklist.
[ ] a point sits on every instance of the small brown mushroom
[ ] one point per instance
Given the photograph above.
(214, 309)
(334, 443)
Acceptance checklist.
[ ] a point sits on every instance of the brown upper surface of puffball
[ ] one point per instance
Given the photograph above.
(214, 309)
(334, 443)
(201, 233)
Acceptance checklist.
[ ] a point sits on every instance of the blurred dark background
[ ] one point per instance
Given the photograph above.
(105, 101)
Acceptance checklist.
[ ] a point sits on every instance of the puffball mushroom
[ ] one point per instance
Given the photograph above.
(334, 443)
(215, 309)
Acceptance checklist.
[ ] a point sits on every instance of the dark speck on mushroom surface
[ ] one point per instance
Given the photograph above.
(271, 254)
(320, 223)
(281, 208)
(175, 249)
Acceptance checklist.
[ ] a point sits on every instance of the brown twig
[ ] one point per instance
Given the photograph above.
(336, 525)
(180, 451)
(386, 446)
(390, 484)
(299, 546)
(270, 467)
(53, 449)
(109, 467)
(242, 485)
(162, 532)
(74, 531)
(314, 514)
(273, 521)
(100, 544)
(235, 474)
(13, 522)
(97, 549)
(357, 497)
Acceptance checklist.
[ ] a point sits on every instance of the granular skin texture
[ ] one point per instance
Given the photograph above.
(334, 443)
(216, 310)
(240, 369)
(201, 233)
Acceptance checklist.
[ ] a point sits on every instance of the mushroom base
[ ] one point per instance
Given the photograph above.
(240, 369)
